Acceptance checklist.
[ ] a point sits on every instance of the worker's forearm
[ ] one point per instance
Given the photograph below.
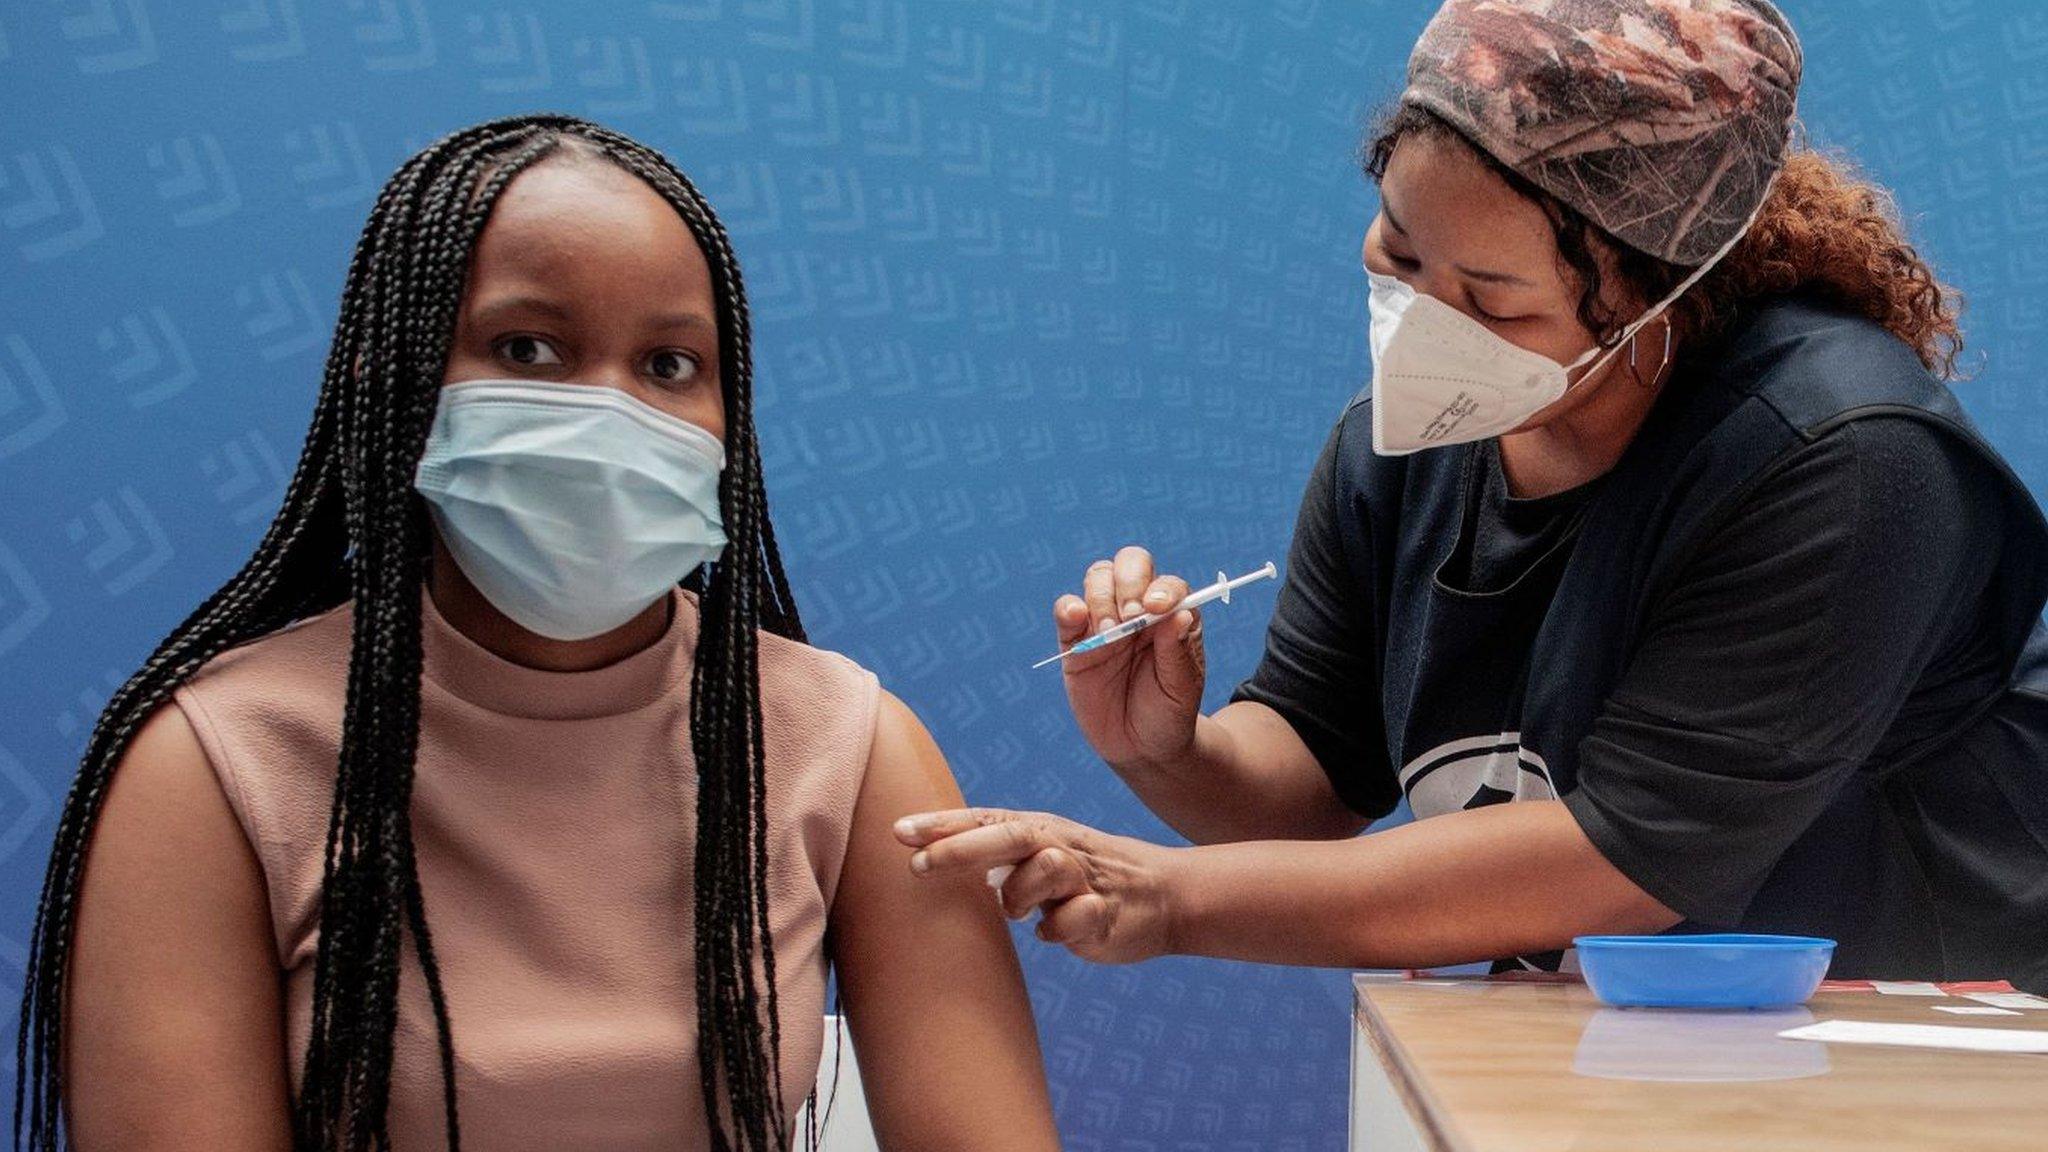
(1193, 793)
(1246, 776)
(1499, 881)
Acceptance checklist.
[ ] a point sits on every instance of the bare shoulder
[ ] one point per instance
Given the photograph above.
(906, 770)
(905, 773)
(167, 838)
(173, 954)
(163, 778)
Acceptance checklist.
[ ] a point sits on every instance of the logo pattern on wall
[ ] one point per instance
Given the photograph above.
(1032, 279)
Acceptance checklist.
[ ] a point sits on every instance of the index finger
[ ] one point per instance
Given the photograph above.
(921, 828)
(1011, 842)
(1070, 618)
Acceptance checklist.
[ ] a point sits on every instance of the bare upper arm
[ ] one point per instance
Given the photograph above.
(934, 995)
(173, 1013)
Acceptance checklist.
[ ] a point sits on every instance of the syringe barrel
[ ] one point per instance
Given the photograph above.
(1127, 627)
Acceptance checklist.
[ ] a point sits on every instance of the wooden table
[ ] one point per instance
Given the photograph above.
(1475, 1065)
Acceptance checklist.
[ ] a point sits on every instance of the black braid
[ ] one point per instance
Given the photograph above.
(351, 526)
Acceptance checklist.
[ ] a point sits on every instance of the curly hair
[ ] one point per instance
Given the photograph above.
(1825, 231)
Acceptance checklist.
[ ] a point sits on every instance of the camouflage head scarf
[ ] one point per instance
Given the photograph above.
(1662, 121)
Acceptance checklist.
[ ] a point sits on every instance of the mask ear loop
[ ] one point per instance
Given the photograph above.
(1658, 309)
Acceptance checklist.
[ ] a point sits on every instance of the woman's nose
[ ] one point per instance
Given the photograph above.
(606, 374)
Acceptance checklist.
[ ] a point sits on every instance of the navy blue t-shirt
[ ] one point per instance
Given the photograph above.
(1836, 618)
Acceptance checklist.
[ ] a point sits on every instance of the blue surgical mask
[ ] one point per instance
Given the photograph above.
(571, 507)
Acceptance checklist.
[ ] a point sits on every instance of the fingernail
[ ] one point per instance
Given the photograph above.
(1133, 608)
(920, 863)
(906, 827)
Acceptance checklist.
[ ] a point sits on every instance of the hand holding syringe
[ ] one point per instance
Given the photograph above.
(1138, 575)
(1220, 590)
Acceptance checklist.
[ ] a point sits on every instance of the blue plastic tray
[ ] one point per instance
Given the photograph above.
(1720, 971)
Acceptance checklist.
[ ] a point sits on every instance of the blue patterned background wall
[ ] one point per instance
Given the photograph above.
(1033, 279)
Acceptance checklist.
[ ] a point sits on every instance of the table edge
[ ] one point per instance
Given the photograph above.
(1430, 1123)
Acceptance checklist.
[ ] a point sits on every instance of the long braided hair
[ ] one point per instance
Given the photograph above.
(352, 526)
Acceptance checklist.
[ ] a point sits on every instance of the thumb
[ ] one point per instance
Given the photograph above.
(1177, 659)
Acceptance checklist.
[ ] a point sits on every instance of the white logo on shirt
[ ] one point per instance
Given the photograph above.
(1474, 772)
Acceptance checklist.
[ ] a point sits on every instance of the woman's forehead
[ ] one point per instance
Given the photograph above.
(566, 220)
(1443, 197)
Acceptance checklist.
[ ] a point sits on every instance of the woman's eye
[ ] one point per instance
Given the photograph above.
(529, 350)
(1485, 315)
(672, 366)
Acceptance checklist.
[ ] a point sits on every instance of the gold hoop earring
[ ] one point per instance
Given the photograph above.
(1662, 363)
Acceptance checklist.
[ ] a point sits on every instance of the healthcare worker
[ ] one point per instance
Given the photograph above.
(1658, 570)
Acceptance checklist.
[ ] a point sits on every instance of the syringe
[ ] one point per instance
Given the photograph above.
(1220, 590)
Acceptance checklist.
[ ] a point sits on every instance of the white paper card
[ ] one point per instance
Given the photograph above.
(1907, 988)
(2020, 1000)
(1921, 1036)
(1974, 1010)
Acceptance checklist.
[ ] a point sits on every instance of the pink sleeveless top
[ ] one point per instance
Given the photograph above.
(553, 814)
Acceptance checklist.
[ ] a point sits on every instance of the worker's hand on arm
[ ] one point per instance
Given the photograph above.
(1105, 897)
(1504, 880)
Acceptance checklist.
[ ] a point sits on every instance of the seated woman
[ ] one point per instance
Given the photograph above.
(498, 798)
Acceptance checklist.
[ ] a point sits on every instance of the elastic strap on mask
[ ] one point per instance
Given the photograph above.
(1628, 333)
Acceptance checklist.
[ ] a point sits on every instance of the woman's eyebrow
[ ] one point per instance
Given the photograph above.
(1484, 275)
(1491, 277)
(491, 309)
(495, 308)
(681, 320)
(1387, 210)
